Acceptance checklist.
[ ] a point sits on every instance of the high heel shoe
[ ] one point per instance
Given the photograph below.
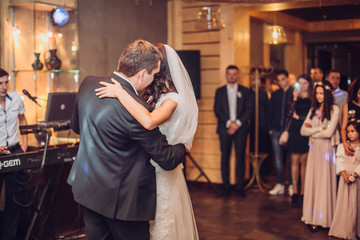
(313, 228)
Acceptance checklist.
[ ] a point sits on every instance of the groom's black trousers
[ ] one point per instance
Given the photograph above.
(98, 227)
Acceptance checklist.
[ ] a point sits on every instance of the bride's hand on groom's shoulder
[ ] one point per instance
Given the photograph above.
(109, 89)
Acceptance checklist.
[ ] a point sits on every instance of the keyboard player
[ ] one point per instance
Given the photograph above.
(11, 116)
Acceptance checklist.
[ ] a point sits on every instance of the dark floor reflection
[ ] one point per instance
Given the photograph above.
(258, 216)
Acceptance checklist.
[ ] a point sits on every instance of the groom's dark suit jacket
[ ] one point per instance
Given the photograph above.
(113, 174)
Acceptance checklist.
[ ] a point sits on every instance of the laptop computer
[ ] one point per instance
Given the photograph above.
(60, 106)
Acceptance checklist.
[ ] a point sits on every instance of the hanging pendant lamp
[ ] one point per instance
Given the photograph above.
(274, 34)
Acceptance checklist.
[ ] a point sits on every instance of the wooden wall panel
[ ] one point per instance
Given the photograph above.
(206, 131)
(206, 104)
(189, 26)
(190, 14)
(208, 146)
(208, 90)
(207, 117)
(242, 43)
(210, 76)
(207, 161)
(201, 37)
(294, 55)
(217, 52)
(214, 174)
(206, 49)
(208, 62)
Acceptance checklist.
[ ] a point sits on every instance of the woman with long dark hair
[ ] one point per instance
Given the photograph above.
(176, 115)
(320, 126)
(350, 111)
(298, 145)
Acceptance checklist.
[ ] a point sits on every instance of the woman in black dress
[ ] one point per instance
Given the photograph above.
(350, 111)
(298, 145)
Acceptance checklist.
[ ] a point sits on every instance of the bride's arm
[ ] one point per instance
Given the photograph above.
(149, 120)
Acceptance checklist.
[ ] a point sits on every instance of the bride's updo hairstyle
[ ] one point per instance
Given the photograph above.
(162, 83)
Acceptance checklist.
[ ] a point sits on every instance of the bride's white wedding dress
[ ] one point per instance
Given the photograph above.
(174, 217)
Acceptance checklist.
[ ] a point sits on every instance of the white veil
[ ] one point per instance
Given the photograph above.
(183, 123)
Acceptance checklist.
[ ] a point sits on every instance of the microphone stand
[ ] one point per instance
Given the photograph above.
(44, 129)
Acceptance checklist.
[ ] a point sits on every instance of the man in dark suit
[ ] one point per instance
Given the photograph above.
(233, 108)
(112, 177)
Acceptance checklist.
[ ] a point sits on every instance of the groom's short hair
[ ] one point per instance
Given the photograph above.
(137, 56)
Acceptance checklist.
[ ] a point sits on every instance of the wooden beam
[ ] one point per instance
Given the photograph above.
(344, 36)
(278, 5)
(334, 25)
(192, 4)
(301, 4)
(282, 19)
(294, 23)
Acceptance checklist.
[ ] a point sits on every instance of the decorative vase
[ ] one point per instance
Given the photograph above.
(37, 65)
(52, 62)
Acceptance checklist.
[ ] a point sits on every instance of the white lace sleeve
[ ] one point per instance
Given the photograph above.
(172, 95)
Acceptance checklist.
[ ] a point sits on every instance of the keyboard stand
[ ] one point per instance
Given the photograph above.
(47, 133)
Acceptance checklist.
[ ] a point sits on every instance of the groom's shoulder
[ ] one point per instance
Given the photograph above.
(92, 82)
(95, 79)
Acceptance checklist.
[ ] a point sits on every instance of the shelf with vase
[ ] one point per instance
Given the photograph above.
(44, 53)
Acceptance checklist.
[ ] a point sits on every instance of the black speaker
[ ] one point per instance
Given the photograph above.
(191, 61)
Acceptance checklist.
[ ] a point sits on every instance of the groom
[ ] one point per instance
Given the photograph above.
(112, 177)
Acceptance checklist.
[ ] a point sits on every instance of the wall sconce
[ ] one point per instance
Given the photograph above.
(16, 33)
(274, 34)
(209, 19)
(74, 46)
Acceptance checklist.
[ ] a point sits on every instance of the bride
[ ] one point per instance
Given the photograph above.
(176, 115)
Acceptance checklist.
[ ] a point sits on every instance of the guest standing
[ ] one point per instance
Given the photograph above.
(233, 108)
(346, 222)
(350, 111)
(316, 74)
(340, 96)
(298, 146)
(278, 108)
(320, 177)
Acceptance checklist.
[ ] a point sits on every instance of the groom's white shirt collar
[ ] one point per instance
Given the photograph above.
(118, 74)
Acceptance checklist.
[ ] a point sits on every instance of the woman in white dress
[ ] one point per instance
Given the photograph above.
(176, 115)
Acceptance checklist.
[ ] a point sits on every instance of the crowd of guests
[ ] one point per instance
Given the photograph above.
(305, 121)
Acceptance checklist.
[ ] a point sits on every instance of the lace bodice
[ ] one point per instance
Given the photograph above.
(169, 127)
